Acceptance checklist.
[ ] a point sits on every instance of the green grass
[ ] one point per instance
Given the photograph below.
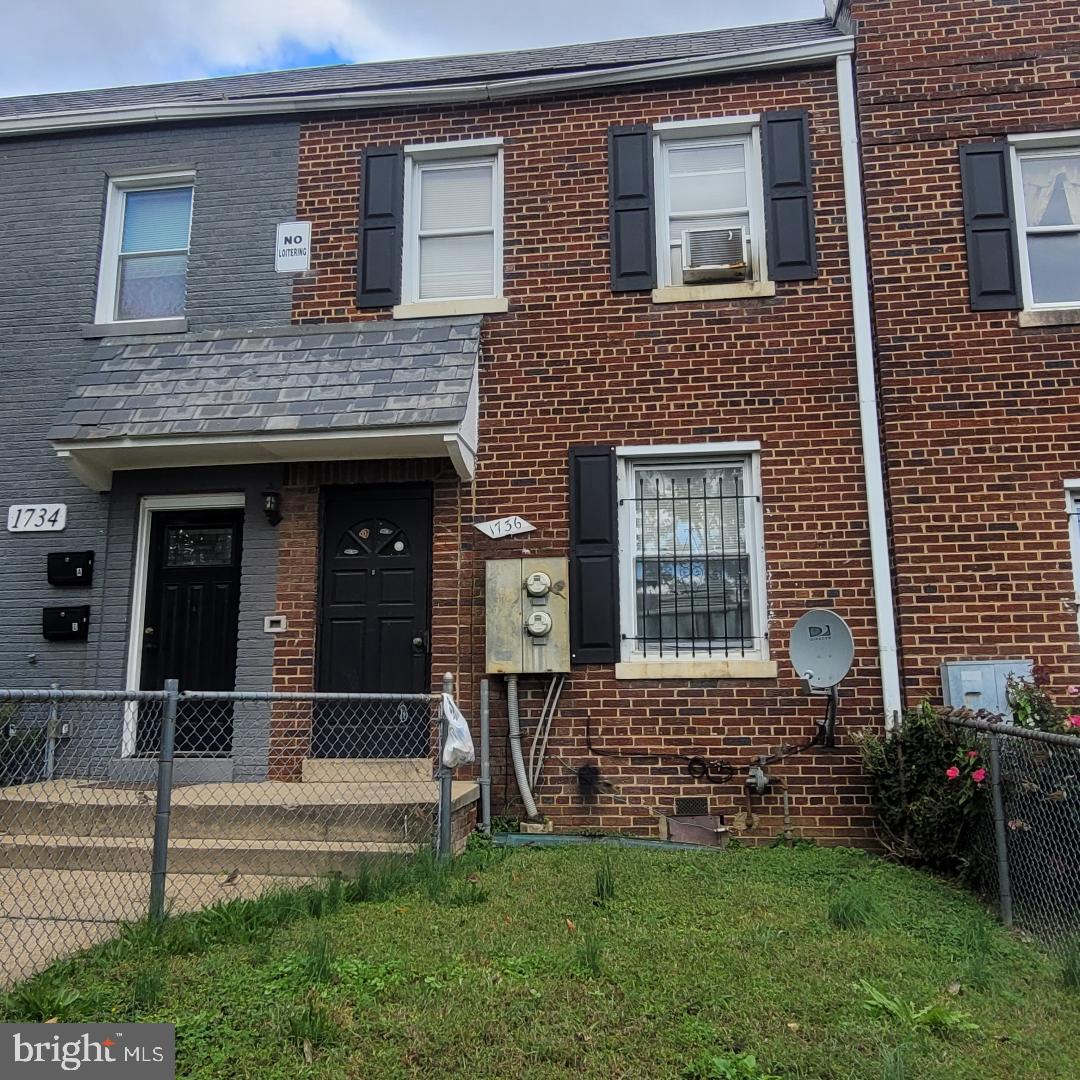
(708, 965)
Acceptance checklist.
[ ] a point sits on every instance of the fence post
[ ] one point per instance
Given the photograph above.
(164, 803)
(52, 729)
(446, 778)
(485, 756)
(1000, 835)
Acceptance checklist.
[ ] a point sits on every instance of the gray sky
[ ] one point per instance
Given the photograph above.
(78, 44)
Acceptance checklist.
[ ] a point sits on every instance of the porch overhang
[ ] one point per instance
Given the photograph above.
(95, 462)
(351, 392)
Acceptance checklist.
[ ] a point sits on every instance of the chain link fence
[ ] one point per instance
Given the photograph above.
(115, 806)
(1035, 819)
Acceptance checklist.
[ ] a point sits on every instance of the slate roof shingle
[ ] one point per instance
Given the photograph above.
(479, 67)
(300, 378)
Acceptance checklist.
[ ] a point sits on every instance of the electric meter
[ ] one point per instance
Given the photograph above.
(538, 584)
(539, 624)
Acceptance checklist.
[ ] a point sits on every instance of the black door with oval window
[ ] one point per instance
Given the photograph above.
(374, 620)
(190, 624)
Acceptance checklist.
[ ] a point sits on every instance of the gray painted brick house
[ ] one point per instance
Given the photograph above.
(54, 191)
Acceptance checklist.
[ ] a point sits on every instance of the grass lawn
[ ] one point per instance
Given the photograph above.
(818, 962)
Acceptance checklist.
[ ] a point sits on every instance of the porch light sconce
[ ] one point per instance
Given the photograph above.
(271, 504)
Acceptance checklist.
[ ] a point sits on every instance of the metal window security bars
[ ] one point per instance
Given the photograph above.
(118, 805)
(693, 574)
(1033, 814)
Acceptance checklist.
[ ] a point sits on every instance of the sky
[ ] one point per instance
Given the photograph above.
(79, 44)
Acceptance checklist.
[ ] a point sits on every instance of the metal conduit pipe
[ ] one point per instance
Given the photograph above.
(514, 725)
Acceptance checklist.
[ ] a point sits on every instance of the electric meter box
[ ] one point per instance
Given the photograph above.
(528, 616)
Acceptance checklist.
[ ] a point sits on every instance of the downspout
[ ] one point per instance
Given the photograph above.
(868, 405)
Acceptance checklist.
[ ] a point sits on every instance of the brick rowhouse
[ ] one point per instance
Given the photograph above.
(981, 414)
(572, 363)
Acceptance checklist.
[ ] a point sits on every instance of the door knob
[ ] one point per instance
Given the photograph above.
(420, 642)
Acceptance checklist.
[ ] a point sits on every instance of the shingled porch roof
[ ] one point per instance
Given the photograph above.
(299, 393)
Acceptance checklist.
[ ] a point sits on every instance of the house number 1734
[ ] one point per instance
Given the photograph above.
(37, 517)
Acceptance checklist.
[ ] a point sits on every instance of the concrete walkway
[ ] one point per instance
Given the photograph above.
(48, 914)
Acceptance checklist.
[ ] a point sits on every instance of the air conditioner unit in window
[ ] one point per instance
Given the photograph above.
(715, 255)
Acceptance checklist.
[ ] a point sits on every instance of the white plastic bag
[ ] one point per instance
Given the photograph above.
(459, 746)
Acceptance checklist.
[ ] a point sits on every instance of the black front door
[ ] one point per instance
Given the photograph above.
(190, 623)
(374, 620)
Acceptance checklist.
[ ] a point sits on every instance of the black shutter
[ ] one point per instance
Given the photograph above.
(789, 197)
(594, 556)
(630, 194)
(382, 176)
(989, 222)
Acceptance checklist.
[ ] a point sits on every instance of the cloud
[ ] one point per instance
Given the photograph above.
(76, 44)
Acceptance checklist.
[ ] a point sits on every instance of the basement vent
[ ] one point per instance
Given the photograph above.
(692, 806)
(714, 255)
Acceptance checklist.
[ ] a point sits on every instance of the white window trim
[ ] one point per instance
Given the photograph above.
(108, 271)
(1037, 146)
(148, 506)
(681, 131)
(465, 152)
(636, 664)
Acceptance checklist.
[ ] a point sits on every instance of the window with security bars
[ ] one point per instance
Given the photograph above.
(145, 249)
(692, 560)
(454, 230)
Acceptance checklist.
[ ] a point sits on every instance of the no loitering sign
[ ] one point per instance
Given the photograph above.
(292, 251)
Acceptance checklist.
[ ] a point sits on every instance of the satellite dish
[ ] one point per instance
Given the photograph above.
(821, 648)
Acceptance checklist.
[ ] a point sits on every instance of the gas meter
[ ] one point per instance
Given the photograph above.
(528, 618)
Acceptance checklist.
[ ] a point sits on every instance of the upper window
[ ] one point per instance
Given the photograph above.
(709, 208)
(144, 254)
(453, 228)
(691, 558)
(1049, 224)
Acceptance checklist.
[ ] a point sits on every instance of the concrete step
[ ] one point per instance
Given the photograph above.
(372, 821)
(367, 770)
(255, 857)
(389, 812)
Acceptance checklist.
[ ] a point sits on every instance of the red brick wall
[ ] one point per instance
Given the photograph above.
(572, 363)
(981, 417)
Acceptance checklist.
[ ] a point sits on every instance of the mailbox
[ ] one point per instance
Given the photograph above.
(71, 623)
(71, 567)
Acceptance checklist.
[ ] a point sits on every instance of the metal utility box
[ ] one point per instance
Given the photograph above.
(980, 684)
(70, 567)
(528, 616)
(65, 623)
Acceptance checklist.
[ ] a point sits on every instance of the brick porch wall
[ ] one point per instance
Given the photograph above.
(573, 363)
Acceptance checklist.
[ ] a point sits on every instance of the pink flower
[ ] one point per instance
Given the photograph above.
(1074, 721)
(952, 772)
(979, 775)
(1074, 690)
(973, 753)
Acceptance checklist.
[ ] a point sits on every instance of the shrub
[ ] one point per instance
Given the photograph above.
(1033, 707)
(928, 793)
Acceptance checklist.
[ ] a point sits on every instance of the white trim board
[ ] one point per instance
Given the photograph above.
(820, 51)
(94, 461)
(148, 505)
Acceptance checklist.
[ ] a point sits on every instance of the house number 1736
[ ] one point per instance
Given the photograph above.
(37, 517)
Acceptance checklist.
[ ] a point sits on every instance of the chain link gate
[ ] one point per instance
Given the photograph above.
(116, 805)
